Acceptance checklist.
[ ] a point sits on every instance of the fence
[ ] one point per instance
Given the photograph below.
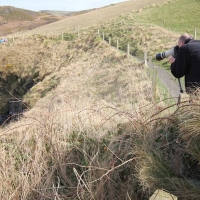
(78, 33)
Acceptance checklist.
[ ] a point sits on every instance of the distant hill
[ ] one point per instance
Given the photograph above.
(16, 19)
(67, 13)
(55, 12)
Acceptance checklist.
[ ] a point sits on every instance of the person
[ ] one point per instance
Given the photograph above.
(187, 62)
(3, 40)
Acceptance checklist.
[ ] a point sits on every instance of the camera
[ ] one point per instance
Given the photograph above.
(171, 52)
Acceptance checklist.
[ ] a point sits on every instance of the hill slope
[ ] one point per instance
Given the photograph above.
(15, 19)
(95, 17)
(91, 130)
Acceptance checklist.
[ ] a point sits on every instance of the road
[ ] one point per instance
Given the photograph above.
(169, 81)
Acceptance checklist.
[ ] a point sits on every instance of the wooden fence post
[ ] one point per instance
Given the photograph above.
(145, 58)
(148, 67)
(154, 83)
(195, 34)
(109, 41)
(117, 44)
(78, 33)
(62, 36)
(128, 50)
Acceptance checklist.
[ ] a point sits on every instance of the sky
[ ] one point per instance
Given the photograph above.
(61, 5)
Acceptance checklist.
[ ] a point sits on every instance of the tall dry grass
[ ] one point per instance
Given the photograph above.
(71, 144)
(96, 135)
(75, 149)
(78, 141)
(67, 150)
(168, 152)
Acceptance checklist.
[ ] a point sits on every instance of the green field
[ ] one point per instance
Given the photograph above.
(178, 16)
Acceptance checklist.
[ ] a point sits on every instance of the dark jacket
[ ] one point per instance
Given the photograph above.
(187, 63)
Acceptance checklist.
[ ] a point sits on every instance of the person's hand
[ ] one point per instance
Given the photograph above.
(171, 59)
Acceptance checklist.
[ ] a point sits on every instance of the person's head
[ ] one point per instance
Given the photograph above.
(183, 38)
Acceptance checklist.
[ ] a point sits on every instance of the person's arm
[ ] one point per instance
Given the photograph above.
(180, 65)
(171, 59)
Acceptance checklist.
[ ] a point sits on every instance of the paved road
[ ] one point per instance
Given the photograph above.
(169, 81)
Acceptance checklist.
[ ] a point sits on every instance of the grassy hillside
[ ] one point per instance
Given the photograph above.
(49, 62)
(169, 17)
(95, 17)
(12, 13)
(87, 79)
(129, 28)
(91, 130)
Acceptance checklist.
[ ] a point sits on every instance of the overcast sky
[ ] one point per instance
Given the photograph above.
(62, 5)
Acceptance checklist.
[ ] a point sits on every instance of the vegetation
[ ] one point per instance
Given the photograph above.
(168, 16)
(11, 13)
(91, 130)
(14, 20)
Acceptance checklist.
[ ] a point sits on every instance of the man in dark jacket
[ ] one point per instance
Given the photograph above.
(187, 62)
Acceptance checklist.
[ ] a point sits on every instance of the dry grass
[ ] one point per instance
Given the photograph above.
(93, 132)
(168, 154)
(78, 147)
(72, 143)
(42, 153)
(88, 66)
